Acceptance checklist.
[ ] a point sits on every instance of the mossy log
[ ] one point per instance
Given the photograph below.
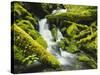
(82, 15)
(25, 42)
(28, 28)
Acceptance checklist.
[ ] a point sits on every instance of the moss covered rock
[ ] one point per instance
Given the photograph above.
(25, 42)
(81, 14)
(78, 26)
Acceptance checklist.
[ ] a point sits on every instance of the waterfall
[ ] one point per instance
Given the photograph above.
(65, 58)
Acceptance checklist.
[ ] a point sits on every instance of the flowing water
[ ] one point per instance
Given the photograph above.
(67, 60)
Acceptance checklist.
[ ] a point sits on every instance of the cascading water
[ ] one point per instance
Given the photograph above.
(67, 60)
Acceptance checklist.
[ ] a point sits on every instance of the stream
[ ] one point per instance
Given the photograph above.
(67, 60)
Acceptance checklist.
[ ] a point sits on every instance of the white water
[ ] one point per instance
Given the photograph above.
(64, 57)
(67, 60)
(59, 11)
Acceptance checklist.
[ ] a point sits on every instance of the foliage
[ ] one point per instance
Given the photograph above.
(82, 14)
(22, 57)
(54, 32)
(78, 26)
(27, 26)
(87, 60)
(20, 13)
(25, 42)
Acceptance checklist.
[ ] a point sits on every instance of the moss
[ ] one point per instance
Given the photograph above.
(61, 44)
(82, 34)
(89, 37)
(83, 16)
(30, 59)
(28, 27)
(84, 58)
(72, 48)
(25, 24)
(44, 8)
(54, 32)
(92, 44)
(90, 48)
(68, 45)
(78, 26)
(18, 53)
(20, 13)
(41, 41)
(72, 30)
(88, 60)
(19, 10)
(25, 41)
(21, 56)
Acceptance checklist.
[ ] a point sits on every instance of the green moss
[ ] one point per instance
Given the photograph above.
(92, 44)
(20, 13)
(21, 56)
(25, 41)
(30, 59)
(25, 24)
(28, 27)
(83, 15)
(84, 58)
(19, 10)
(54, 32)
(61, 44)
(82, 34)
(78, 26)
(89, 37)
(72, 30)
(88, 60)
(72, 48)
(68, 46)
(18, 53)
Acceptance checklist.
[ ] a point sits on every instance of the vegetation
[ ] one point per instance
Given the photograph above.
(29, 46)
(25, 42)
(78, 26)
